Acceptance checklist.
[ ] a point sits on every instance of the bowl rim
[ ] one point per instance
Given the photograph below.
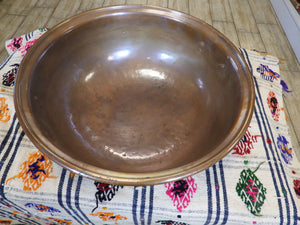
(31, 129)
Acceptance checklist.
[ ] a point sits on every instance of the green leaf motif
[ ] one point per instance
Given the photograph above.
(43, 29)
(251, 191)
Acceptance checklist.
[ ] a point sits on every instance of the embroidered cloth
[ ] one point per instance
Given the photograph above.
(257, 183)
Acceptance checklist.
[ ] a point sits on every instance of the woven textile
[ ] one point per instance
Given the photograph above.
(257, 183)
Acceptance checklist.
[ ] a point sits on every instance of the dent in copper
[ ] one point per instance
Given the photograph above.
(134, 95)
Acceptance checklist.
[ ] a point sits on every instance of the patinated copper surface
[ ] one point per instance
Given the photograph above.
(134, 95)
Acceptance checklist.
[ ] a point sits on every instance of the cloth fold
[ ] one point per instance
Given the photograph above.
(257, 183)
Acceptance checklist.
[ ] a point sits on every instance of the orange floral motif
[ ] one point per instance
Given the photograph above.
(108, 216)
(60, 221)
(34, 171)
(5, 222)
(72, 175)
(20, 213)
(4, 111)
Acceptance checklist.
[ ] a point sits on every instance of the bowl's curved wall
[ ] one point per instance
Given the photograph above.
(134, 91)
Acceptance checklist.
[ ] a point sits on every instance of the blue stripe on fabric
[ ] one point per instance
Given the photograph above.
(134, 205)
(292, 199)
(281, 180)
(271, 168)
(6, 138)
(4, 176)
(217, 194)
(77, 193)
(245, 55)
(265, 147)
(13, 155)
(27, 37)
(4, 157)
(266, 128)
(59, 193)
(6, 61)
(284, 180)
(68, 199)
(224, 192)
(7, 152)
(281, 166)
(143, 202)
(5, 200)
(270, 164)
(150, 205)
(209, 197)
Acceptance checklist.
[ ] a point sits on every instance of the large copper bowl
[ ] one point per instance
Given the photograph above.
(134, 95)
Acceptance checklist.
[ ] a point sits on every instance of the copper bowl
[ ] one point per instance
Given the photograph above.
(134, 95)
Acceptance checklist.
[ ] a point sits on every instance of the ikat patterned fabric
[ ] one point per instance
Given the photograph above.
(257, 183)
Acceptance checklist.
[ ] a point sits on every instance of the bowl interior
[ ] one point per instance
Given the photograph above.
(136, 92)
